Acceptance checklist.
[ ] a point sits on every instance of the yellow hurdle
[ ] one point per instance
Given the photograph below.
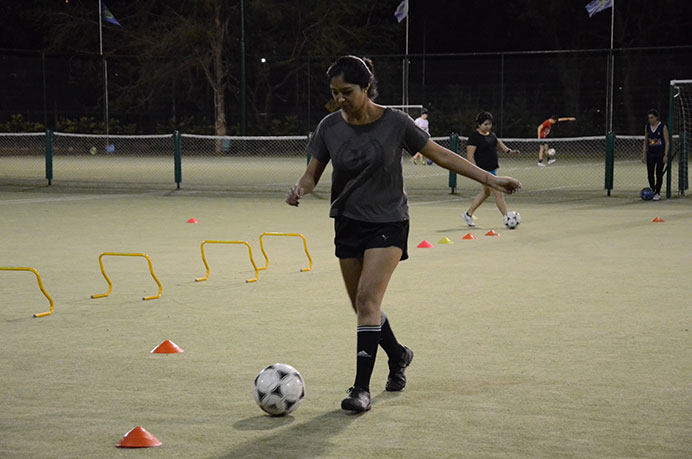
(110, 285)
(206, 265)
(40, 285)
(266, 258)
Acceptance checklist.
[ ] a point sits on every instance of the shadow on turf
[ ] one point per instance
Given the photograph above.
(308, 439)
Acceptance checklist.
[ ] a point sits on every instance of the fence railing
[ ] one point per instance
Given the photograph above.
(275, 163)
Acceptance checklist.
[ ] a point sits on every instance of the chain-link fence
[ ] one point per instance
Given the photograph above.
(242, 163)
(23, 157)
(112, 160)
(520, 88)
(274, 163)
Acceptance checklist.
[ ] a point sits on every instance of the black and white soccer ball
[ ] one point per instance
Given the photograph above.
(512, 220)
(551, 152)
(279, 389)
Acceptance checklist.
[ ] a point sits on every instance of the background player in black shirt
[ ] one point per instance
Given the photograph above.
(481, 149)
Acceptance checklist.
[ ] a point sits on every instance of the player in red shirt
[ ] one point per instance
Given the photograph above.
(543, 132)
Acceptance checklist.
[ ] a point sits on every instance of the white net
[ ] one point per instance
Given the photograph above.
(680, 130)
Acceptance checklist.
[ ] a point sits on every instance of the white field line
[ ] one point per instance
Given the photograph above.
(73, 198)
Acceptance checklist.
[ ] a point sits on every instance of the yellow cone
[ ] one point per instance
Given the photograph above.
(445, 240)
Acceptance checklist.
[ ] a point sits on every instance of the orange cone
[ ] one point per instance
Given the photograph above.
(192, 220)
(492, 233)
(469, 236)
(657, 220)
(167, 347)
(425, 245)
(138, 438)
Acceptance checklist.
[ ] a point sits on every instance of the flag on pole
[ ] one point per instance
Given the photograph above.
(402, 11)
(107, 15)
(596, 6)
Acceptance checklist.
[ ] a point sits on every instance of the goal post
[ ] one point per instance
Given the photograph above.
(680, 130)
(410, 109)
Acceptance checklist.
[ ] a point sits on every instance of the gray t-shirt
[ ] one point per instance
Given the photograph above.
(367, 177)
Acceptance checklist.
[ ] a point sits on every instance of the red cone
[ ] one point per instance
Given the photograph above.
(167, 347)
(192, 220)
(469, 236)
(138, 438)
(425, 245)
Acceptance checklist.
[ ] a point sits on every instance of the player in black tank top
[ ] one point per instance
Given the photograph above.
(655, 151)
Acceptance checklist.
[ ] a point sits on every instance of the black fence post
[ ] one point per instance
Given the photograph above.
(454, 146)
(610, 161)
(177, 159)
(49, 156)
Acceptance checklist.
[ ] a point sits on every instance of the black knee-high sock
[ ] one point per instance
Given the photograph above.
(368, 337)
(388, 341)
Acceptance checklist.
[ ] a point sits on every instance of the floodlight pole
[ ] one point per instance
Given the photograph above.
(243, 82)
(105, 73)
(611, 73)
(404, 83)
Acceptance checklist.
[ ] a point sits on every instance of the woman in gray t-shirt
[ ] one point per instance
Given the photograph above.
(369, 206)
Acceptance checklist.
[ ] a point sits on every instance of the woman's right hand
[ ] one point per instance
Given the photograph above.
(294, 194)
(505, 184)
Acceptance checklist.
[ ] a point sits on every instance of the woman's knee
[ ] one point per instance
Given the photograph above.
(367, 303)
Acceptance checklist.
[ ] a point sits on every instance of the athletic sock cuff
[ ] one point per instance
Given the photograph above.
(369, 329)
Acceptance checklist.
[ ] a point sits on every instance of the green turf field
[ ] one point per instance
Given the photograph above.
(568, 337)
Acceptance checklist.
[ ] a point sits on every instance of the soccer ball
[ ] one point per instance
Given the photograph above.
(512, 220)
(647, 194)
(551, 152)
(279, 389)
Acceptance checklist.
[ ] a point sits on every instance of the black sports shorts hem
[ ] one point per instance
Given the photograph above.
(353, 237)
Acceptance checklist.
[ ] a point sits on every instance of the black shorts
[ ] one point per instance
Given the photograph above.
(353, 237)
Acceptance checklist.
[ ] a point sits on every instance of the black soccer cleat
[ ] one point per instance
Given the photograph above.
(396, 381)
(358, 400)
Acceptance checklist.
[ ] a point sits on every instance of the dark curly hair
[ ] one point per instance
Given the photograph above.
(482, 117)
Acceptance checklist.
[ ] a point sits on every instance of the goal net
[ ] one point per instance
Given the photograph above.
(680, 131)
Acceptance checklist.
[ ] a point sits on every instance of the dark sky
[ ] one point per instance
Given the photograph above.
(458, 26)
